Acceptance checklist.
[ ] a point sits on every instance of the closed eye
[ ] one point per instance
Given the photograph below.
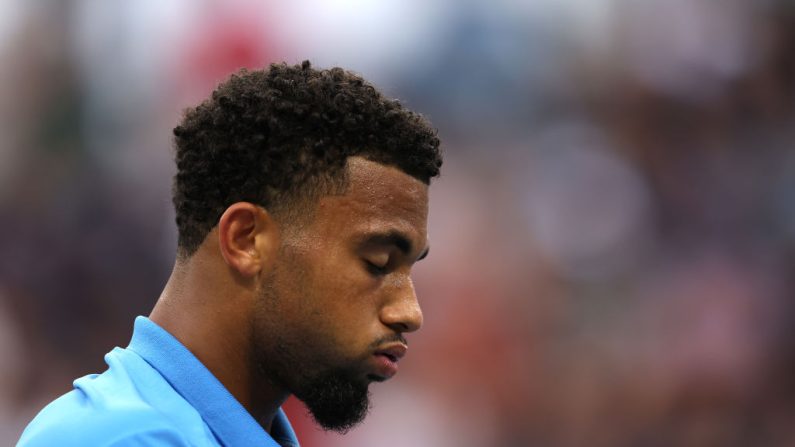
(375, 269)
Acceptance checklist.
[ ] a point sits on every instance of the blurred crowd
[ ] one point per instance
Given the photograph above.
(613, 234)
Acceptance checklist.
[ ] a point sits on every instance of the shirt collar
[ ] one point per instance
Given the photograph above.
(225, 416)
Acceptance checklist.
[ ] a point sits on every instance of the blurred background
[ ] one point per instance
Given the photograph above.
(613, 234)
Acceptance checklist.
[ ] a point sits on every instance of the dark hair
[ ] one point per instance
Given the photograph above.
(280, 136)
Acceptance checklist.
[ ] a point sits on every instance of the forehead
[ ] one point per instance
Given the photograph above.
(378, 198)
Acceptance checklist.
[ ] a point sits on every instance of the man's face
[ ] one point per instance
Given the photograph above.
(332, 314)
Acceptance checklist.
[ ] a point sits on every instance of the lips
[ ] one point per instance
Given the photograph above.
(386, 360)
(393, 352)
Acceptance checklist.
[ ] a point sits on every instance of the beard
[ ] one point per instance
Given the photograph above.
(336, 396)
(335, 400)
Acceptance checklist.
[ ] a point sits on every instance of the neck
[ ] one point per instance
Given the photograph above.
(211, 317)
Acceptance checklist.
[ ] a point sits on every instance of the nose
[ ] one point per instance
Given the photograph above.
(402, 312)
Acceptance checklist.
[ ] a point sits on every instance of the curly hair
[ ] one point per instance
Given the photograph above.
(280, 137)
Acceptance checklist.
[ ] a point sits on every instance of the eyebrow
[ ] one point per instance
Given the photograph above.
(398, 239)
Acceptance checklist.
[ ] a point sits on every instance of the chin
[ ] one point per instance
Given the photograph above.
(337, 400)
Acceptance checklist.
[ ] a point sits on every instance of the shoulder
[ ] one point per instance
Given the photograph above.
(129, 404)
(120, 427)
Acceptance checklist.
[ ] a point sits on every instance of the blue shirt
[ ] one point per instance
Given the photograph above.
(154, 393)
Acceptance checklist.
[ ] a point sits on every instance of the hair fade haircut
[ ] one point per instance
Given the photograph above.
(281, 136)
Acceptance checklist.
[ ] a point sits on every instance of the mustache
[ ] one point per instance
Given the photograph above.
(389, 339)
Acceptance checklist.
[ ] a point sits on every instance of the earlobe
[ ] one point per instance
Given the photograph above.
(248, 238)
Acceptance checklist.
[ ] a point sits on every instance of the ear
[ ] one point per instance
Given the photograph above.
(248, 238)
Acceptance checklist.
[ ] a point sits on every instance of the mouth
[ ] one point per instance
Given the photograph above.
(386, 361)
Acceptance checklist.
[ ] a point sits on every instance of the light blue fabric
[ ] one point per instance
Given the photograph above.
(154, 393)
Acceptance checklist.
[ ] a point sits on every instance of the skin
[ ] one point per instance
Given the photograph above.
(259, 299)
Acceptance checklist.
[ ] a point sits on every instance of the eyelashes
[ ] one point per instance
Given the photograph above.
(375, 269)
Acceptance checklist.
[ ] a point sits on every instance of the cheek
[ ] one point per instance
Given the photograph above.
(327, 302)
(353, 291)
(344, 304)
(341, 278)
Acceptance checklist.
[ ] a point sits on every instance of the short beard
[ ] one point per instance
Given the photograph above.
(336, 400)
(337, 397)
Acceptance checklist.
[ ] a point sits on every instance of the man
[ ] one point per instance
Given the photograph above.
(301, 201)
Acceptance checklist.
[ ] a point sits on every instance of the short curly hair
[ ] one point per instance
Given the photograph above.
(280, 137)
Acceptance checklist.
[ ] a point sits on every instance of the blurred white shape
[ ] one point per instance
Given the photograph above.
(686, 47)
(374, 38)
(588, 209)
(12, 17)
(587, 21)
(125, 52)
